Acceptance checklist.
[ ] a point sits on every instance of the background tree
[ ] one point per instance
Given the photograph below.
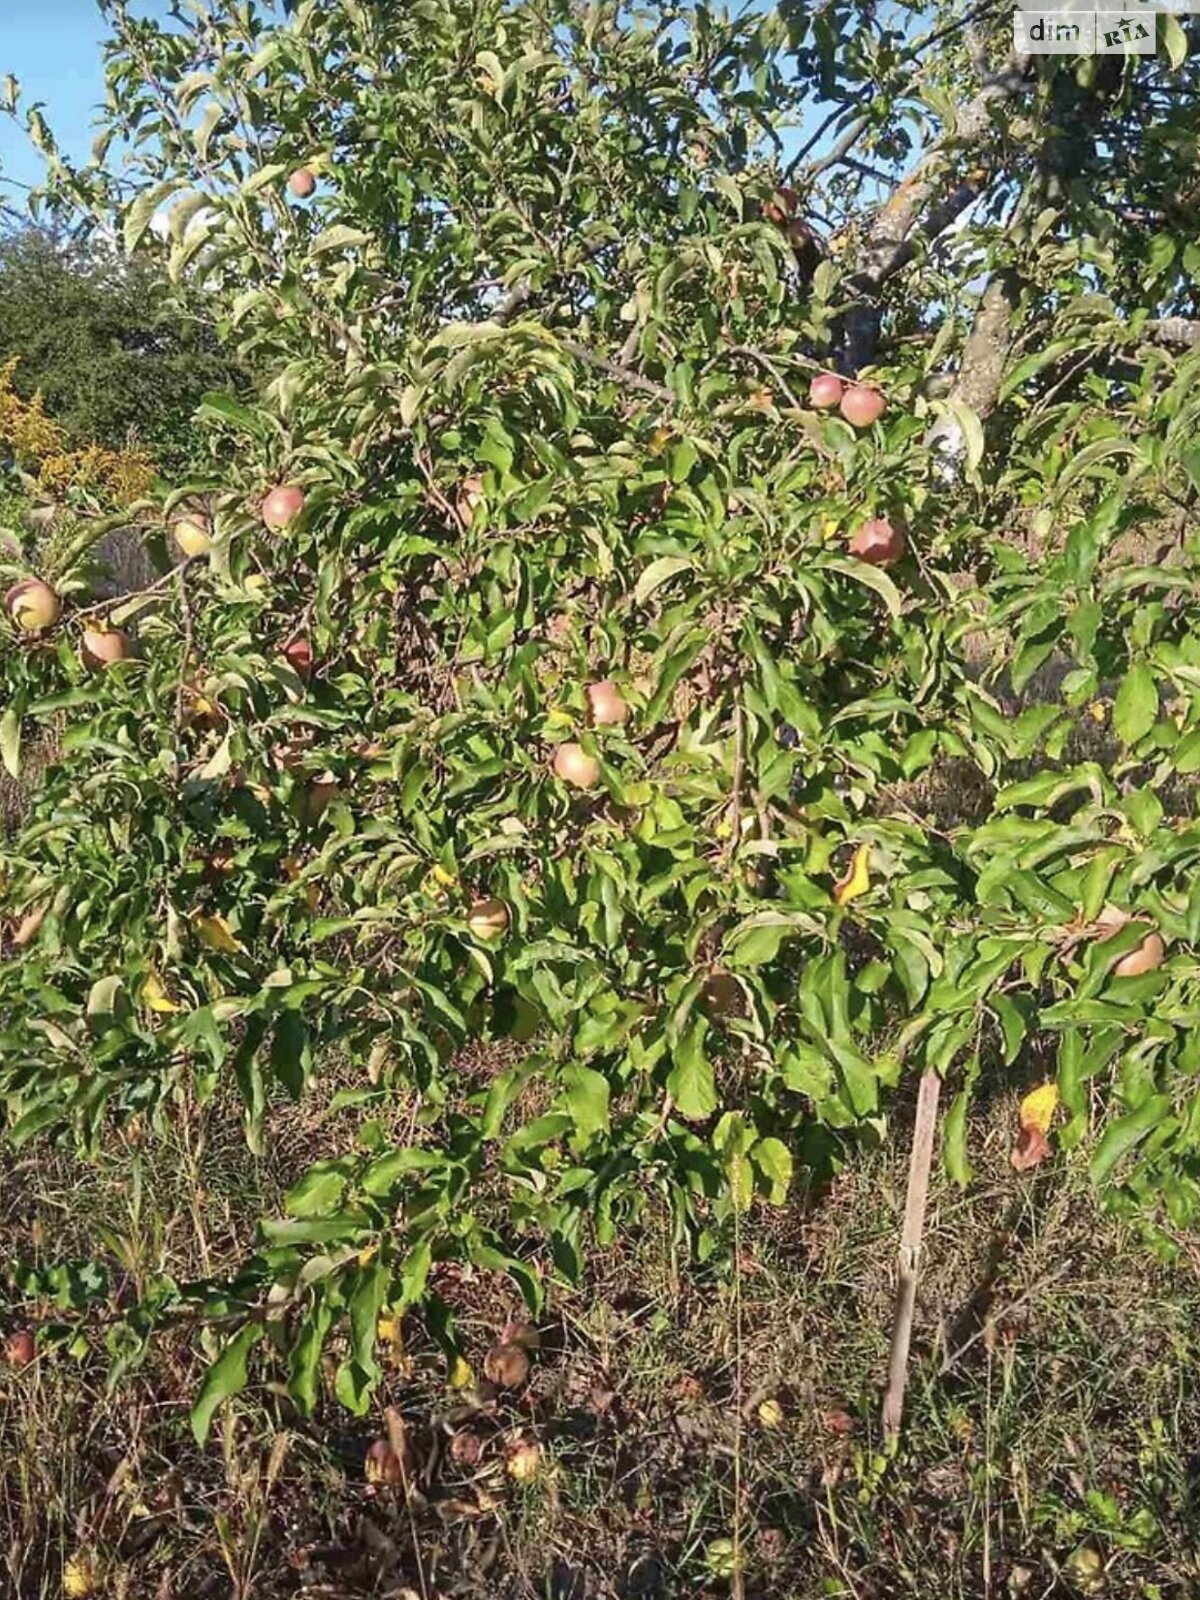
(532, 434)
(116, 358)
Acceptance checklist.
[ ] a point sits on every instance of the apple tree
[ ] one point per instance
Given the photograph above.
(539, 749)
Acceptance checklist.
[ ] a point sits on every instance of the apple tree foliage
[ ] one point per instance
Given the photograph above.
(537, 351)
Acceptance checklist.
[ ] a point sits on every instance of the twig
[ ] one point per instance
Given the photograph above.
(185, 614)
(620, 374)
(841, 149)
(765, 361)
(910, 1250)
(739, 773)
(397, 1434)
(737, 1582)
(124, 599)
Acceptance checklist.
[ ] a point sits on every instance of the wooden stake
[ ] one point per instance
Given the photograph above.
(910, 1250)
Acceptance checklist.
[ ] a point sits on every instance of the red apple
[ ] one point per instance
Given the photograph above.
(282, 504)
(21, 1348)
(878, 543)
(383, 1465)
(606, 704)
(825, 390)
(862, 405)
(104, 647)
(302, 183)
(33, 605)
(573, 765)
(298, 653)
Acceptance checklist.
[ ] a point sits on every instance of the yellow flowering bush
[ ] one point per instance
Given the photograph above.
(40, 445)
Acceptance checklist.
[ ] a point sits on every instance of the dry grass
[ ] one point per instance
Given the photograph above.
(1068, 1421)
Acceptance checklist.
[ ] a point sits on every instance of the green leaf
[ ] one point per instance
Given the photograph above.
(340, 237)
(102, 1002)
(318, 1192)
(870, 577)
(691, 1082)
(10, 741)
(1122, 1136)
(225, 1378)
(224, 408)
(774, 1160)
(954, 1140)
(586, 1098)
(658, 573)
(264, 176)
(304, 1369)
(1174, 38)
(1136, 707)
(141, 212)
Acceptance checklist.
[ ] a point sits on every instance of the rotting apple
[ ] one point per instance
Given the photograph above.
(506, 1365)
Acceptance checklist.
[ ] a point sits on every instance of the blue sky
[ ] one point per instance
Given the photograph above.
(53, 48)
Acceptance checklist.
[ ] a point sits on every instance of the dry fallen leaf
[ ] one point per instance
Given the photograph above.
(857, 880)
(1031, 1149)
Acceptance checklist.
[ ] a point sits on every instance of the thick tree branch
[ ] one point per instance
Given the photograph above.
(980, 370)
(914, 212)
(1173, 330)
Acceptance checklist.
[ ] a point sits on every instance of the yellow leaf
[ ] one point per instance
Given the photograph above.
(462, 1374)
(1038, 1107)
(446, 879)
(858, 880)
(829, 528)
(1098, 711)
(80, 1577)
(155, 996)
(365, 1257)
(770, 1414)
(387, 1329)
(216, 934)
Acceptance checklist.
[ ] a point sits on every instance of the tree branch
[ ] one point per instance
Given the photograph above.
(891, 241)
(622, 375)
(1173, 330)
(980, 370)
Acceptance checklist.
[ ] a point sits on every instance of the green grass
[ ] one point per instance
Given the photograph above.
(1063, 1437)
